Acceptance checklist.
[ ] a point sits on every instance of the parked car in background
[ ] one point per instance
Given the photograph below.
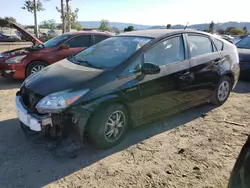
(22, 62)
(238, 38)
(129, 79)
(6, 38)
(244, 56)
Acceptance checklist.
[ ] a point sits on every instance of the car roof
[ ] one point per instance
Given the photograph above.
(154, 33)
(89, 33)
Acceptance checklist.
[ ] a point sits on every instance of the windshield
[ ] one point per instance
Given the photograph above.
(110, 52)
(244, 43)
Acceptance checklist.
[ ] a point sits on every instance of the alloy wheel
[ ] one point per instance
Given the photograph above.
(114, 126)
(223, 90)
(37, 68)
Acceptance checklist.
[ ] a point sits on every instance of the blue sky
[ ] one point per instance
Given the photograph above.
(147, 12)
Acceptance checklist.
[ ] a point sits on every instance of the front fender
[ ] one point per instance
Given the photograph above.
(86, 110)
(92, 106)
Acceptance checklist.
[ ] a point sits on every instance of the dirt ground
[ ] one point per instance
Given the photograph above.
(196, 148)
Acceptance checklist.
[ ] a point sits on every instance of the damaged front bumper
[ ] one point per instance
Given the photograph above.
(53, 125)
(34, 122)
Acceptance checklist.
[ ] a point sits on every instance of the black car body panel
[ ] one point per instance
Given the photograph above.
(244, 57)
(178, 85)
(61, 77)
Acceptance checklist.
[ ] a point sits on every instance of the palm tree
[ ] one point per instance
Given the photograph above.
(68, 16)
(63, 17)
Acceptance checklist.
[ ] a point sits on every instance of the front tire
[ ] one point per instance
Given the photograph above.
(108, 126)
(35, 67)
(222, 91)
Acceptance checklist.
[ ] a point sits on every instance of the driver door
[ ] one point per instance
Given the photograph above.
(165, 91)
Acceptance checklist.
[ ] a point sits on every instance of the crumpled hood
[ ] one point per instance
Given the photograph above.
(244, 55)
(60, 76)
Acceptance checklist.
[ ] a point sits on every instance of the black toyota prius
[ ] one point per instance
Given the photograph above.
(125, 81)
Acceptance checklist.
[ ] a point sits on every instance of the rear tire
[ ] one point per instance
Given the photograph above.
(108, 126)
(222, 91)
(35, 66)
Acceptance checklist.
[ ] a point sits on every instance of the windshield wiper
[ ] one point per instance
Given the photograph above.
(78, 61)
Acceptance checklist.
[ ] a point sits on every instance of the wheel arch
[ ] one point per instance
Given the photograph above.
(230, 74)
(105, 101)
(33, 61)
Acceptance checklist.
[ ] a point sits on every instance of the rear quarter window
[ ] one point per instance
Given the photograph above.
(219, 44)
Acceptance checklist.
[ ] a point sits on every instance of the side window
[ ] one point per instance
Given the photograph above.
(79, 41)
(99, 38)
(218, 44)
(134, 67)
(168, 51)
(199, 45)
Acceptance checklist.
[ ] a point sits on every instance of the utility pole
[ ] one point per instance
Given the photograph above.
(35, 19)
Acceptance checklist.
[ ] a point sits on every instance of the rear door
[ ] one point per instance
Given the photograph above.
(205, 61)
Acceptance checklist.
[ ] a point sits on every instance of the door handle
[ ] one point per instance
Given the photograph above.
(183, 75)
(217, 61)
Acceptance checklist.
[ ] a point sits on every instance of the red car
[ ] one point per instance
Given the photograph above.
(22, 62)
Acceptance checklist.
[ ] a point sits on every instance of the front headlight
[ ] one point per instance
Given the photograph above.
(15, 60)
(56, 102)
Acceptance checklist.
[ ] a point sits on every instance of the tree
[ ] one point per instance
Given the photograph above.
(3, 22)
(12, 19)
(168, 26)
(63, 16)
(245, 30)
(211, 27)
(221, 31)
(206, 30)
(129, 28)
(104, 25)
(69, 16)
(76, 26)
(34, 6)
(49, 24)
(234, 31)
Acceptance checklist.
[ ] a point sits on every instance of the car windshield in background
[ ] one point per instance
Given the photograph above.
(56, 40)
(110, 52)
(244, 43)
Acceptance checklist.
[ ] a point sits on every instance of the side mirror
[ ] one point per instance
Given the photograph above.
(150, 68)
(63, 47)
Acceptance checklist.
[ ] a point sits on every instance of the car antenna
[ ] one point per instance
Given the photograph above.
(186, 26)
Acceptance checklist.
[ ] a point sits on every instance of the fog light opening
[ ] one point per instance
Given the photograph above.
(75, 118)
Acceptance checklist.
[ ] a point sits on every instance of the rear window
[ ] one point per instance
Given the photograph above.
(218, 44)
